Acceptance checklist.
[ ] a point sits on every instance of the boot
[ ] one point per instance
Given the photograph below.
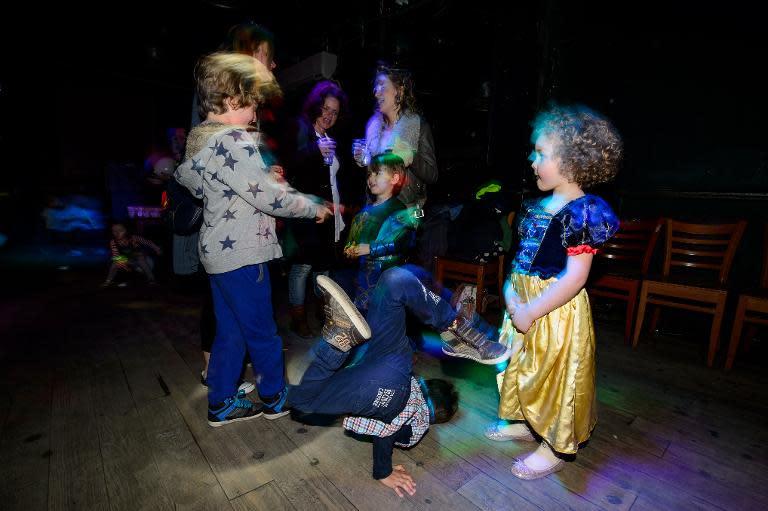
(299, 324)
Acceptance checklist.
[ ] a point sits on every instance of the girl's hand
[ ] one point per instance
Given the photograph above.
(522, 318)
(353, 251)
(511, 299)
(400, 480)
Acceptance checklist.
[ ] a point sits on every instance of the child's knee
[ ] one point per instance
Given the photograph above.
(394, 277)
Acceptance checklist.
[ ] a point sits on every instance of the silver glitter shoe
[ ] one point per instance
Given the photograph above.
(523, 471)
(492, 433)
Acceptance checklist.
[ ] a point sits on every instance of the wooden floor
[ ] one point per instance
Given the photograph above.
(101, 407)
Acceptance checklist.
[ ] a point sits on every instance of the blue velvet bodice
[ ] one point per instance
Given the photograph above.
(545, 237)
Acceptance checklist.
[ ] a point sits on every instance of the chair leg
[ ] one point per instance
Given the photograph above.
(751, 333)
(738, 323)
(439, 270)
(714, 336)
(655, 318)
(640, 313)
(480, 304)
(631, 302)
(501, 281)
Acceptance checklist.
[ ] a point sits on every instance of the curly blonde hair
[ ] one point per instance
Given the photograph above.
(225, 75)
(405, 97)
(588, 145)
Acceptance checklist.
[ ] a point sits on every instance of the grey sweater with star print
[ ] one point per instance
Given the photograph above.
(224, 168)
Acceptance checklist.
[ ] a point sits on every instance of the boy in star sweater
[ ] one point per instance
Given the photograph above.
(224, 168)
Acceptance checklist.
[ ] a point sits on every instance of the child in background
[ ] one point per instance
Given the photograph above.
(383, 231)
(548, 388)
(129, 253)
(241, 198)
(381, 235)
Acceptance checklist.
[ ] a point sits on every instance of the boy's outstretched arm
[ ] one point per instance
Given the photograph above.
(243, 172)
(238, 165)
(393, 477)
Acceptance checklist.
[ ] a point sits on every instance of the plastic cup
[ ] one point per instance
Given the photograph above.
(359, 145)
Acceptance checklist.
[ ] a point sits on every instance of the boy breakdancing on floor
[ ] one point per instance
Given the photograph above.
(379, 394)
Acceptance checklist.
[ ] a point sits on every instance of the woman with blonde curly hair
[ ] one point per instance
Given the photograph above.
(398, 126)
(548, 389)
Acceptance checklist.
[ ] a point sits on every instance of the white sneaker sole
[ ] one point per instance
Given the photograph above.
(501, 358)
(230, 421)
(357, 319)
(247, 387)
(273, 416)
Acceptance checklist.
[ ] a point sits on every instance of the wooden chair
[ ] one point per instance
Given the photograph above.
(752, 307)
(481, 275)
(691, 249)
(622, 263)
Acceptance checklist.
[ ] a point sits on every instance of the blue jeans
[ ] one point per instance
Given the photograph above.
(379, 384)
(297, 282)
(242, 301)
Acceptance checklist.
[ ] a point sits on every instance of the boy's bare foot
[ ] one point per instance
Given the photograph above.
(400, 481)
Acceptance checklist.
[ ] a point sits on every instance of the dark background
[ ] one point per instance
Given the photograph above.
(86, 86)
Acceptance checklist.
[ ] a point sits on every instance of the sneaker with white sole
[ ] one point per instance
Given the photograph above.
(478, 346)
(233, 409)
(275, 407)
(344, 326)
(455, 347)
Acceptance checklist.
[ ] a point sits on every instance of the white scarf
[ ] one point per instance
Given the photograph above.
(338, 222)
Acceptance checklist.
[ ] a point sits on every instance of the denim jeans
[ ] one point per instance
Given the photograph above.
(242, 300)
(297, 282)
(377, 385)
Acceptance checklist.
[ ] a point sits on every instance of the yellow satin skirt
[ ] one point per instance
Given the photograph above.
(550, 381)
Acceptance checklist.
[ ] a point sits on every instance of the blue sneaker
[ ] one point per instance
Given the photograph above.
(275, 407)
(234, 409)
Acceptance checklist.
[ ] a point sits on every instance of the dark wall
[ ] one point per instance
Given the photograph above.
(679, 80)
(682, 83)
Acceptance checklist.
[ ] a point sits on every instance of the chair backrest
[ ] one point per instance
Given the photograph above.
(764, 275)
(702, 246)
(633, 244)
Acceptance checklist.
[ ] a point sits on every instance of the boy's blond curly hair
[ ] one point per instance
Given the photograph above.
(588, 145)
(225, 75)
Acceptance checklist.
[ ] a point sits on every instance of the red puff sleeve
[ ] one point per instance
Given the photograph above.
(580, 249)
